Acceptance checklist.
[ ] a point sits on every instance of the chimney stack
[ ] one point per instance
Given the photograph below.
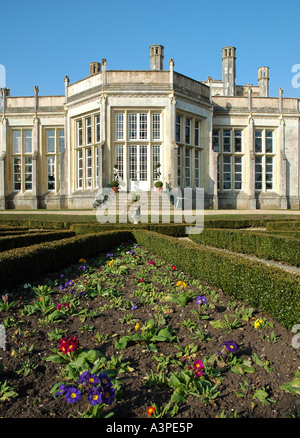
(229, 70)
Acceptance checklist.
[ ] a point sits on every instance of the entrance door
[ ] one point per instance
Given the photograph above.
(138, 169)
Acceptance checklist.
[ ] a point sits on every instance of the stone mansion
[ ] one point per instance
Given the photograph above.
(235, 141)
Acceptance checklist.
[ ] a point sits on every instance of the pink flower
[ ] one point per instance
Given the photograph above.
(152, 262)
(60, 305)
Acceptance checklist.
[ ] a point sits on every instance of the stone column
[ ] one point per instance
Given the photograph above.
(213, 164)
(282, 166)
(251, 166)
(3, 145)
(103, 181)
(34, 203)
(2, 180)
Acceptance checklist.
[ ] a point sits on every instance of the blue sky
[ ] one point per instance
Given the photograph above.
(42, 42)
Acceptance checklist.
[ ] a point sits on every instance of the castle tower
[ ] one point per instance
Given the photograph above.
(156, 57)
(263, 81)
(229, 70)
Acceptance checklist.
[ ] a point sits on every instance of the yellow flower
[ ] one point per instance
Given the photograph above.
(137, 326)
(257, 323)
(82, 260)
(181, 283)
(110, 263)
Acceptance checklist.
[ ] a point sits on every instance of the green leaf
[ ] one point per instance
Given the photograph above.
(56, 358)
(217, 324)
(292, 387)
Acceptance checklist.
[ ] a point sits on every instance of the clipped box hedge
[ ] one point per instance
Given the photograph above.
(176, 230)
(266, 246)
(18, 241)
(22, 265)
(270, 289)
(291, 225)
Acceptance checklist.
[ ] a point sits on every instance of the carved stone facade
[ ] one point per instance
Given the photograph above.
(235, 141)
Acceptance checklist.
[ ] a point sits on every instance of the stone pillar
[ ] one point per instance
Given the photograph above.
(34, 203)
(213, 165)
(169, 156)
(251, 167)
(282, 166)
(103, 180)
(3, 149)
(2, 180)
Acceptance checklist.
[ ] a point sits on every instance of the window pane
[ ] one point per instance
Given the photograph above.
(51, 172)
(143, 163)
(179, 167)
(79, 133)
(97, 128)
(187, 167)
(156, 126)
(188, 131)
(133, 162)
(216, 140)
(132, 126)
(178, 129)
(28, 142)
(17, 173)
(155, 161)
(197, 168)
(28, 173)
(258, 173)
(226, 141)
(51, 141)
(61, 140)
(88, 131)
(80, 168)
(227, 173)
(269, 142)
(238, 141)
(119, 126)
(197, 133)
(258, 142)
(120, 159)
(88, 167)
(143, 128)
(17, 142)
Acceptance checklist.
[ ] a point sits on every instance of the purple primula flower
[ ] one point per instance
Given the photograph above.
(231, 346)
(95, 396)
(201, 300)
(69, 283)
(105, 381)
(82, 268)
(73, 395)
(133, 307)
(110, 254)
(62, 390)
(83, 378)
(108, 395)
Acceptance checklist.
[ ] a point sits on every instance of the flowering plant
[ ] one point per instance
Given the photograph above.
(98, 388)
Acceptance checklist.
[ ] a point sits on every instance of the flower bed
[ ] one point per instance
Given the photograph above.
(130, 335)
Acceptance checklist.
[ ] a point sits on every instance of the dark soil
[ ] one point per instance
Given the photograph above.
(101, 330)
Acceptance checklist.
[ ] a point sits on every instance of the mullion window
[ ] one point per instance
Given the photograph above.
(264, 160)
(22, 159)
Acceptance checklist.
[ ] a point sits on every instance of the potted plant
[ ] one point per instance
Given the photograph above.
(158, 184)
(114, 184)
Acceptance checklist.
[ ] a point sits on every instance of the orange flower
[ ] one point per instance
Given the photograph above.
(151, 410)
